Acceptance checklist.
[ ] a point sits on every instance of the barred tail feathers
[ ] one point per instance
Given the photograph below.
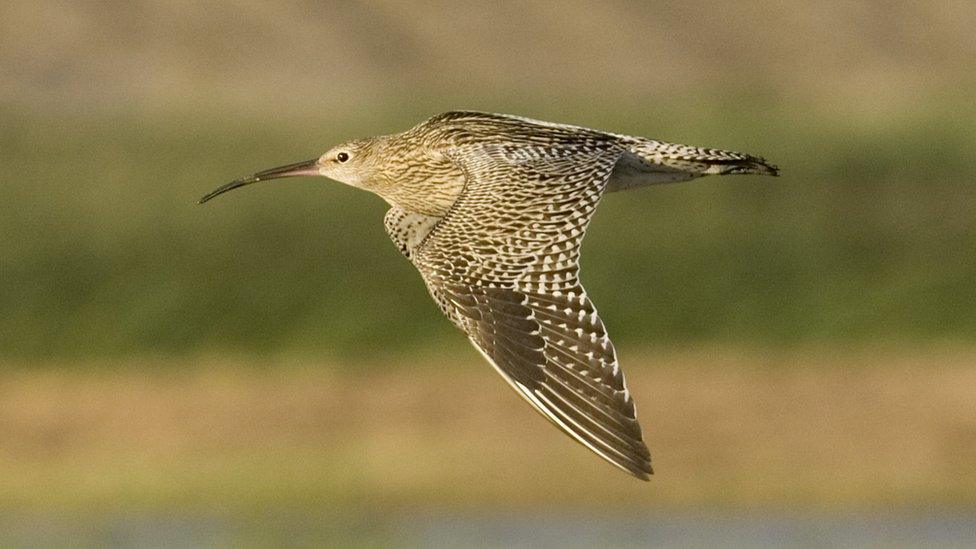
(647, 162)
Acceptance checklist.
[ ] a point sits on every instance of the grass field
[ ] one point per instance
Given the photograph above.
(867, 237)
(864, 429)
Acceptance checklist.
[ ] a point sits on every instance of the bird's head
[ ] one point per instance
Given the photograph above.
(352, 163)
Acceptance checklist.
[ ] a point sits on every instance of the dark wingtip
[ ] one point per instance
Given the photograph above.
(639, 470)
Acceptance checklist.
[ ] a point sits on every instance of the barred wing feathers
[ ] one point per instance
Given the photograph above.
(503, 264)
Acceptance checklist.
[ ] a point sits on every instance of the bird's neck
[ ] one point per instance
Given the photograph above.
(426, 184)
(431, 197)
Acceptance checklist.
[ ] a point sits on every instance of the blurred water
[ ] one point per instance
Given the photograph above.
(494, 529)
(706, 530)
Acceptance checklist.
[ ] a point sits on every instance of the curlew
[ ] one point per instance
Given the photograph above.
(492, 209)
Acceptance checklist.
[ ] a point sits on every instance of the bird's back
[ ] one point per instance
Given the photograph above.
(639, 161)
(461, 128)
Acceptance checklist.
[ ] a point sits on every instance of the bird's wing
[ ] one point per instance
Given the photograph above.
(503, 264)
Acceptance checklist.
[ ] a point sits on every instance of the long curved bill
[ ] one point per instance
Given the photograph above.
(309, 167)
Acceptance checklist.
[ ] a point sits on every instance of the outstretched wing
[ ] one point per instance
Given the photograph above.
(503, 264)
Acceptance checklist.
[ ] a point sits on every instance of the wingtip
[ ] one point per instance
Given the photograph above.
(644, 475)
(641, 471)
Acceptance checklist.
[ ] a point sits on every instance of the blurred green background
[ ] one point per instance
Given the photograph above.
(116, 117)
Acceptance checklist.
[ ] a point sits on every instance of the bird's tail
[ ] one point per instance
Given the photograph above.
(647, 162)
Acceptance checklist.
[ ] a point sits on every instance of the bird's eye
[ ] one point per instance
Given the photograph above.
(342, 157)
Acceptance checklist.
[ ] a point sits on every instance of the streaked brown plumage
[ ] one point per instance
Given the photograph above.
(492, 210)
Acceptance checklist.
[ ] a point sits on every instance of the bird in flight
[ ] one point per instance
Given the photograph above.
(492, 209)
